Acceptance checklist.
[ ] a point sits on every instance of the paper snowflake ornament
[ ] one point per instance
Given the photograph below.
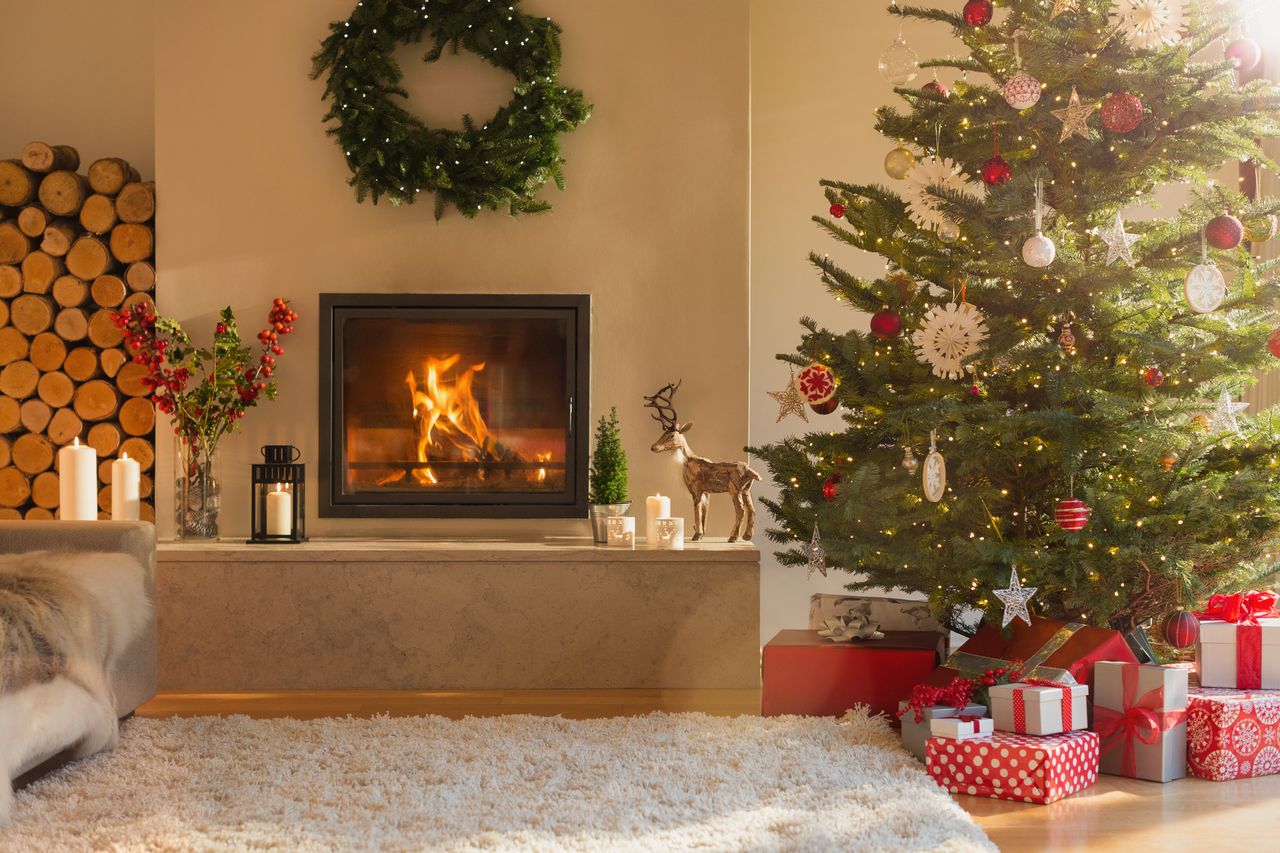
(1223, 415)
(789, 401)
(1119, 242)
(1062, 6)
(1075, 118)
(1150, 24)
(1015, 599)
(923, 179)
(815, 554)
(947, 336)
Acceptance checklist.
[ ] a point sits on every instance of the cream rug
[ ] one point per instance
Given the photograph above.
(660, 782)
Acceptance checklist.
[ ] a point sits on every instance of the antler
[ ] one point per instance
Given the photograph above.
(661, 401)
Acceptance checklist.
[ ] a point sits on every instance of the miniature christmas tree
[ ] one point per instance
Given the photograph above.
(1077, 370)
(608, 463)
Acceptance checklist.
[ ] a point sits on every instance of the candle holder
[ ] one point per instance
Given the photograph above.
(622, 531)
(277, 497)
(670, 533)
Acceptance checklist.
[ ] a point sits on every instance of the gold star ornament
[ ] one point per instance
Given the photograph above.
(1061, 6)
(1075, 118)
(789, 401)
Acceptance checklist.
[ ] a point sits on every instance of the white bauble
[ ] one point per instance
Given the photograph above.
(1039, 251)
(899, 64)
(948, 231)
(1022, 92)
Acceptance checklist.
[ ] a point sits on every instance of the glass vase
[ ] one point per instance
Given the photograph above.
(197, 489)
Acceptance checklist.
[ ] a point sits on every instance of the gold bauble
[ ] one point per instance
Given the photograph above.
(1201, 422)
(1261, 229)
(898, 162)
(909, 461)
(948, 231)
(1169, 459)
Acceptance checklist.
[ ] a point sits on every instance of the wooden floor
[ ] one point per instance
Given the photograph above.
(1114, 815)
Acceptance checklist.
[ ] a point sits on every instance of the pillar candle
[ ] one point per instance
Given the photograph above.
(656, 507)
(126, 481)
(279, 512)
(78, 482)
(671, 533)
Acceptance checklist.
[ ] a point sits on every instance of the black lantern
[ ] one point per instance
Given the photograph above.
(278, 497)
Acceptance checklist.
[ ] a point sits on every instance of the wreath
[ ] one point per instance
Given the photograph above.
(501, 163)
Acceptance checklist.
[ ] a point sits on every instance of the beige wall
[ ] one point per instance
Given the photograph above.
(79, 72)
(254, 204)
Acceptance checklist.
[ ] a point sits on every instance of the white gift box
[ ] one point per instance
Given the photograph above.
(955, 728)
(1222, 661)
(1029, 709)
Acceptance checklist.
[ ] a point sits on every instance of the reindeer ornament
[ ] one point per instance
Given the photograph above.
(702, 477)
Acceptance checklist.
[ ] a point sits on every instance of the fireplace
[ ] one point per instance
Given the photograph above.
(453, 405)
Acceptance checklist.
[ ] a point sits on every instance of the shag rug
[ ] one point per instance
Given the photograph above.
(659, 782)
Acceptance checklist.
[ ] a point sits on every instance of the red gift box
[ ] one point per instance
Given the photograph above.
(1024, 768)
(1233, 734)
(801, 673)
(1051, 650)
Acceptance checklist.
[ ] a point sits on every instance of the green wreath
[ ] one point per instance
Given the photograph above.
(502, 163)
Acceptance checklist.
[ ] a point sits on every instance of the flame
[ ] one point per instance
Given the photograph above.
(542, 472)
(447, 414)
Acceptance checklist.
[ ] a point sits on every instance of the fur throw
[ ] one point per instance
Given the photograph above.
(65, 618)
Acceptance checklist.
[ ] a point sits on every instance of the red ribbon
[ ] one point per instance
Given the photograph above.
(1241, 608)
(1020, 707)
(973, 719)
(1140, 719)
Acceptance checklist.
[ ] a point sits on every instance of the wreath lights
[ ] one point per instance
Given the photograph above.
(502, 163)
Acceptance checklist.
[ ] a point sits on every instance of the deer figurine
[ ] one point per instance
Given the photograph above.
(702, 477)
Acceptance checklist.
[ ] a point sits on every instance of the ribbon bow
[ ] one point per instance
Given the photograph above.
(1140, 719)
(1241, 608)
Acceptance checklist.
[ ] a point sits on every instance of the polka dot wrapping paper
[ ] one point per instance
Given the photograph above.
(1233, 734)
(1023, 768)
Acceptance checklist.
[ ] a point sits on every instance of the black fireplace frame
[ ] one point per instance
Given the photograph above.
(335, 308)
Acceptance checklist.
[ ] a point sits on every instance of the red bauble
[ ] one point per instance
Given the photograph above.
(1246, 53)
(830, 487)
(816, 383)
(1224, 232)
(977, 13)
(1273, 343)
(837, 210)
(826, 408)
(996, 171)
(1121, 112)
(886, 323)
(1153, 376)
(1072, 514)
(938, 88)
(1181, 629)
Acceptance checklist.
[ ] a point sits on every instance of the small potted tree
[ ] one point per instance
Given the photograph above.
(608, 492)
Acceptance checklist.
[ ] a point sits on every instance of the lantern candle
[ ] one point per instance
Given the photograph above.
(622, 531)
(279, 512)
(671, 533)
(656, 507)
(126, 480)
(78, 482)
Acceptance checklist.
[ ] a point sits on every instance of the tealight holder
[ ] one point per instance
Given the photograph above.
(670, 533)
(621, 530)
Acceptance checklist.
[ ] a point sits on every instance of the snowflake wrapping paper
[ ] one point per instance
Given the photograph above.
(1233, 734)
(1023, 768)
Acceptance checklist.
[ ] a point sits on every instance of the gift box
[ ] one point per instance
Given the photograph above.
(1140, 715)
(1232, 734)
(964, 727)
(1006, 766)
(1039, 708)
(892, 614)
(915, 734)
(1050, 650)
(801, 673)
(1239, 656)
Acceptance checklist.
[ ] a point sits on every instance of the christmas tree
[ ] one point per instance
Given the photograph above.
(1078, 371)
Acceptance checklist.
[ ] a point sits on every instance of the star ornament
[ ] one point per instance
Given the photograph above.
(1063, 6)
(1119, 243)
(1015, 599)
(1075, 118)
(789, 401)
(1223, 417)
(816, 555)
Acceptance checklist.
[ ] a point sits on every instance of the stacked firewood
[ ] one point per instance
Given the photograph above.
(74, 248)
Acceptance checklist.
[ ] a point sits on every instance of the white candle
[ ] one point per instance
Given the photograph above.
(126, 482)
(622, 531)
(78, 482)
(279, 512)
(656, 507)
(671, 533)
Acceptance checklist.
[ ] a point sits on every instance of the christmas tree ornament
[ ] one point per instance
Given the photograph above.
(1071, 514)
(1039, 251)
(1245, 52)
(923, 178)
(899, 64)
(976, 389)
(948, 231)
(789, 401)
(816, 383)
(903, 283)
(850, 627)
(898, 162)
(1262, 229)
(837, 210)
(1224, 232)
(825, 408)
(815, 554)
(1067, 340)
(1021, 91)
(1015, 598)
(1075, 118)
(909, 461)
(1153, 376)
(1205, 289)
(1224, 416)
(1181, 629)
(977, 13)
(935, 471)
(1119, 242)
(1150, 24)
(831, 488)
(1121, 112)
(1201, 422)
(937, 87)
(886, 323)
(997, 170)
(1168, 459)
(1273, 343)
(1061, 7)
(949, 334)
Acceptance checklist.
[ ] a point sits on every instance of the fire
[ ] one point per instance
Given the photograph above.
(447, 415)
